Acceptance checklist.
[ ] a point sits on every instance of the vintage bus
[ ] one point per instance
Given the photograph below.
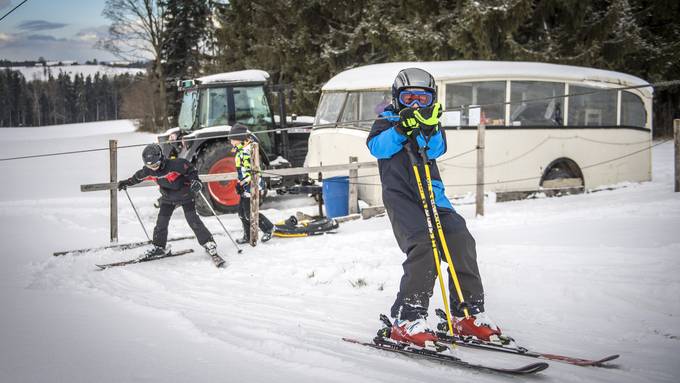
(548, 126)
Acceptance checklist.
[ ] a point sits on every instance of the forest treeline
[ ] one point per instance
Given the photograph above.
(305, 42)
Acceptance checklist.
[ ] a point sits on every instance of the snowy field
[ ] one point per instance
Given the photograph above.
(587, 275)
(42, 73)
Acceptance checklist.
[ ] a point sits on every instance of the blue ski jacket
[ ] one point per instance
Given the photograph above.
(399, 187)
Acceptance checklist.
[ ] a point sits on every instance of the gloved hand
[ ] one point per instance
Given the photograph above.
(429, 117)
(239, 188)
(122, 185)
(407, 122)
(196, 186)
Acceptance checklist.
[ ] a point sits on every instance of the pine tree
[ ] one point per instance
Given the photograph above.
(187, 35)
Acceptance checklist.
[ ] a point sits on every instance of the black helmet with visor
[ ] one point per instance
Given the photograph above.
(403, 92)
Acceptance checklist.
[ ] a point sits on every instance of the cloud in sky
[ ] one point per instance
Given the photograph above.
(30, 46)
(39, 25)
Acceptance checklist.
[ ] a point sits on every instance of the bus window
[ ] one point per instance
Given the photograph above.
(526, 112)
(351, 111)
(329, 107)
(632, 110)
(371, 105)
(594, 109)
(478, 93)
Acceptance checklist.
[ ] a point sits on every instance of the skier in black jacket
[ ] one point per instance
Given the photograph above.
(413, 120)
(178, 182)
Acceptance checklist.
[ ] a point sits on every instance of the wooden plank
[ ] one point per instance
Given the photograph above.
(113, 192)
(232, 176)
(372, 211)
(345, 218)
(353, 188)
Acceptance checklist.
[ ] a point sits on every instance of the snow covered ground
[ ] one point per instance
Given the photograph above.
(587, 275)
(42, 73)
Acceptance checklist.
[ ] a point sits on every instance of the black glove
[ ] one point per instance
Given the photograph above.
(429, 117)
(239, 188)
(196, 186)
(407, 122)
(122, 185)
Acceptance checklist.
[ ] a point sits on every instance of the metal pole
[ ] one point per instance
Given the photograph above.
(676, 129)
(353, 188)
(138, 217)
(254, 194)
(479, 194)
(220, 221)
(113, 178)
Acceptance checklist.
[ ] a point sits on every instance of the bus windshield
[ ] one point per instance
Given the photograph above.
(329, 108)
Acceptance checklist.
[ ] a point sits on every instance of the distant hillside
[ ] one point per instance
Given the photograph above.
(41, 73)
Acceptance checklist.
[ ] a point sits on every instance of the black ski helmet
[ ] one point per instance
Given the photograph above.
(239, 132)
(412, 78)
(152, 154)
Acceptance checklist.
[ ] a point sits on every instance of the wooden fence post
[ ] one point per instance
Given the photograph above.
(353, 187)
(254, 193)
(676, 131)
(113, 177)
(479, 195)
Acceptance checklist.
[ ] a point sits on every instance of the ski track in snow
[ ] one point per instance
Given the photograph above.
(586, 276)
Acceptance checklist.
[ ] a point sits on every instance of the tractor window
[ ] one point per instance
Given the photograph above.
(213, 108)
(251, 106)
(187, 114)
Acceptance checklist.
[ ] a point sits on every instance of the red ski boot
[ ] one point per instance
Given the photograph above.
(416, 332)
(479, 326)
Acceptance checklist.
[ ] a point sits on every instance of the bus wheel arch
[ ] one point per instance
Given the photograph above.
(565, 174)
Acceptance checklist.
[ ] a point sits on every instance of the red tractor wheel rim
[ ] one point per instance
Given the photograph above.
(224, 192)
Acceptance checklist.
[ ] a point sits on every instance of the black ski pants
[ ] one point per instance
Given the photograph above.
(420, 272)
(244, 215)
(160, 232)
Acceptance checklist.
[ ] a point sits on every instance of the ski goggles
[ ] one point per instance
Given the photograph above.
(153, 165)
(411, 97)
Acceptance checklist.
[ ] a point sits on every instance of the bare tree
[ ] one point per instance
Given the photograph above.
(137, 31)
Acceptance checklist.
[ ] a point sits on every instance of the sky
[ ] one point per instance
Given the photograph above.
(53, 29)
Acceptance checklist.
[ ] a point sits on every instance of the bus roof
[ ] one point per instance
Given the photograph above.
(250, 75)
(381, 76)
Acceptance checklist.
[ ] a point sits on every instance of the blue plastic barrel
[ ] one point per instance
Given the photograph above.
(336, 196)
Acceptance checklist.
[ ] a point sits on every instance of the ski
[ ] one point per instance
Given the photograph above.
(384, 344)
(120, 246)
(142, 259)
(472, 342)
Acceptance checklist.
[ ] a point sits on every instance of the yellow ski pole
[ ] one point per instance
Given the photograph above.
(442, 239)
(430, 229)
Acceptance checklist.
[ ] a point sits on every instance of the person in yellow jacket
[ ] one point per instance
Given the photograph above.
(241, 140)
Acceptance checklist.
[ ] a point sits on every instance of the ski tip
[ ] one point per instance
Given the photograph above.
(601, 362)
(537, 367)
